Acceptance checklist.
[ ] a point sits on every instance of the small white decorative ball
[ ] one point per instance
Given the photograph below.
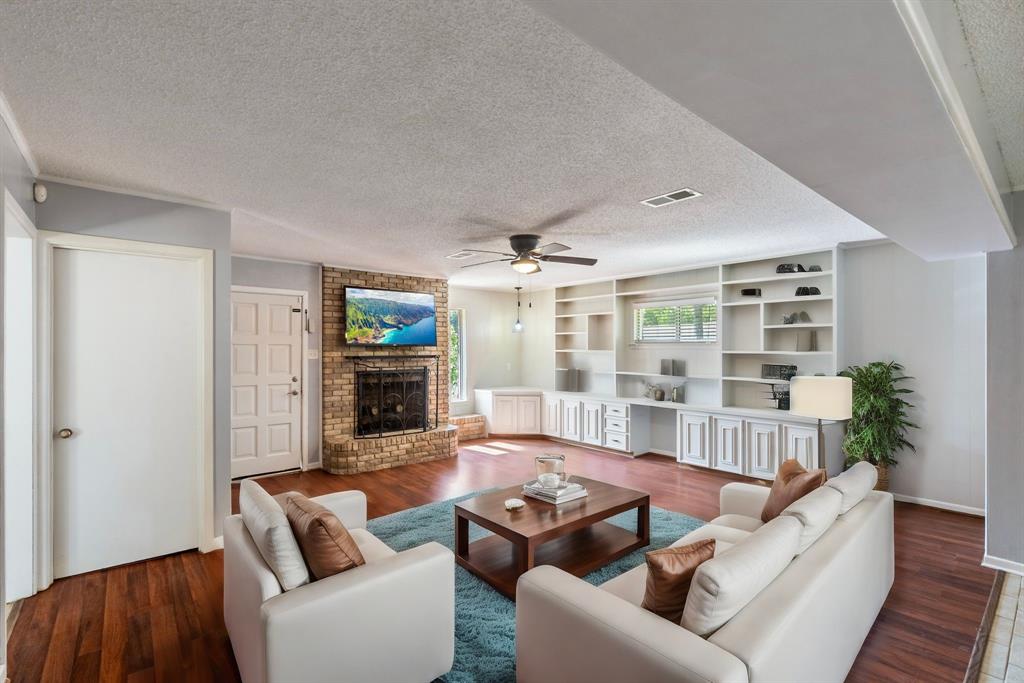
(514, 504)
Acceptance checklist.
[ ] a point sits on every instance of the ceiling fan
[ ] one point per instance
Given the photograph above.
(525, 256)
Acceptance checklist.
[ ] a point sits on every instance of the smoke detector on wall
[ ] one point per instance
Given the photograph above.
(672, 197)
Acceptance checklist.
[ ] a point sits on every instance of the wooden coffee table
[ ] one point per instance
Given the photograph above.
(570, 536)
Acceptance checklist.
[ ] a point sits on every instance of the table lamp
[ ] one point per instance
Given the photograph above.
(825, 398)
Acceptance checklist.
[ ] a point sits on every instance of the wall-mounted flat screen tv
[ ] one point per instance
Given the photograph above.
(380, 317)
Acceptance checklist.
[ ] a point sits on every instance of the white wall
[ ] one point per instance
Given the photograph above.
(493, 356)
(931, 318)
(538, 349)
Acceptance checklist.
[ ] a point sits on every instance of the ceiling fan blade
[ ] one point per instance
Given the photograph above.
(551, 248)
(484, 263)
(560, 217)
(487, 251)
(575, 260)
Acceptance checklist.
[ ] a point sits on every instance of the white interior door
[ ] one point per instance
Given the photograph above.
(128, 403)
(266, 383)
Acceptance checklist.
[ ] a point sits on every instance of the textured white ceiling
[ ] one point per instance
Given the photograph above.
(995, 34)
(388, 135)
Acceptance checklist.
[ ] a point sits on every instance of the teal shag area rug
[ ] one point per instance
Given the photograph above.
(485, 620)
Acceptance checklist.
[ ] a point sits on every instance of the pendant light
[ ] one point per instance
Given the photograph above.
(517, 326)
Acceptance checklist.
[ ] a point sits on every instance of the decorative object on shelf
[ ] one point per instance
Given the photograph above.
(878, 428)
(807, 291)
(513, 504)
(751, 291)
(789, 319)
(794, 318)
(780, 394)
(803, 317)
(813, 269)
(678, 367)
(655, 393)
(550, 464)
(678, 394)
(824, 398)
(806, 340)
(775, 371)
(789, 268)
(517, 326)
(666, 366)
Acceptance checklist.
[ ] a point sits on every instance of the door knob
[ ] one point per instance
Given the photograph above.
(295, 378)
(294, 392)
(65, 433)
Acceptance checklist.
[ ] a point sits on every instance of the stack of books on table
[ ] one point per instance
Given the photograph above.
(571, 491)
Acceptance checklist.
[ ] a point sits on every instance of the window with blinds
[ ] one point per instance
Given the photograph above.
(687, 320)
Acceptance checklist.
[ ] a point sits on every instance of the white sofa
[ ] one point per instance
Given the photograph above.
(808, 624)
(391, 619)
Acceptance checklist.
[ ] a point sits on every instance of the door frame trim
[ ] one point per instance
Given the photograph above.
(304, 333)
(28, 227)
(49, 241)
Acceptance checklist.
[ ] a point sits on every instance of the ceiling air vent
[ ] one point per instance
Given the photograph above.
(671, 197)
(461, 255)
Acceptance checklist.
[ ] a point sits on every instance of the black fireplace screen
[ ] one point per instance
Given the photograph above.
(392, 401)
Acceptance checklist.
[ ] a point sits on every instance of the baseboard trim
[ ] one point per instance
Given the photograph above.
(662, 451)
(984, 630)
(1003, 565)
(215, 543)
(941, 505)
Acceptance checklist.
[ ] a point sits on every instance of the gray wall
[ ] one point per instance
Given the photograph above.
(107, 214)
(1004, 528)
(16, 176)
(254, 272)
(929, 316)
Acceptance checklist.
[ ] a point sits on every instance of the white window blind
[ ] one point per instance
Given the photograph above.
(683, 320)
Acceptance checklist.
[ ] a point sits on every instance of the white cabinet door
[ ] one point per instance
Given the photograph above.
(801, 443)
(552, 416)
(592, 427)
(571, 420)
(528, 415)
(693, 439)
(504, 421)
(728, 446)
(762, 449)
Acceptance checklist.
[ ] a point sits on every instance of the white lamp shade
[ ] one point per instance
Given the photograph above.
(826, 398)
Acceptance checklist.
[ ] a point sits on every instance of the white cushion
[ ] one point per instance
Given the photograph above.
(738, 522)
(715, 531)
(631, 585)
(724, 585)
(854, 484)
(816, 512)
(270, 531)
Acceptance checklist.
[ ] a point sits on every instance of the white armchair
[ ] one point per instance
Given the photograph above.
(391, 619)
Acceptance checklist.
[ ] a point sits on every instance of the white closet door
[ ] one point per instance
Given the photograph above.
(126, 407)
(266, 383)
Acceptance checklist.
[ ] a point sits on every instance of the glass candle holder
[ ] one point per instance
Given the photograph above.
(551, 470)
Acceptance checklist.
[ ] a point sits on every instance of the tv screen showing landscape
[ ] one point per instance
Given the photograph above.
(386, 318)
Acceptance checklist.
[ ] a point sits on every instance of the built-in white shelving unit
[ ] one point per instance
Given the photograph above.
(595, 352)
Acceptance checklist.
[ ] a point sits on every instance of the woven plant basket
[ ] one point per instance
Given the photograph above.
(883, 478)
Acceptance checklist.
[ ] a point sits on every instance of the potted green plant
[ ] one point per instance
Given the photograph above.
(878, 427)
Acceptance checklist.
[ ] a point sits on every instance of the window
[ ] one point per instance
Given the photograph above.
(457, 354)
(687, 320)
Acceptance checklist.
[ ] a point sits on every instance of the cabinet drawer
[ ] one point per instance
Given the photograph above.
(616, 410)
(616, 424)
(617, 441)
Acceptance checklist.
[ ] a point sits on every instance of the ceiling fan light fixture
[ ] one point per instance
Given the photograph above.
(526, 265)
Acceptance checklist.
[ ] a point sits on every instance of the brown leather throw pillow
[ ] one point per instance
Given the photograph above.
(669, 573)
(325, 542)
(791, 484)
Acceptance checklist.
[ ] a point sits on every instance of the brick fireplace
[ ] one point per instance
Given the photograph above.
(411, 421)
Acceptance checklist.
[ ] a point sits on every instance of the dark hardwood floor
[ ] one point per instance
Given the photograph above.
(161, 620)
